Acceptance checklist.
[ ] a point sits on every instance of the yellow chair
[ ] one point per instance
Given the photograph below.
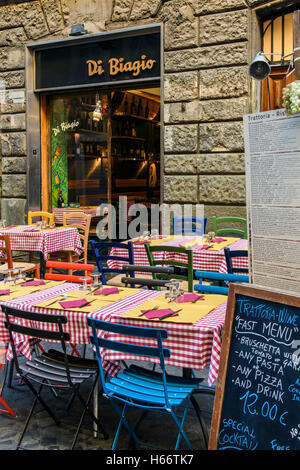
(47, 216)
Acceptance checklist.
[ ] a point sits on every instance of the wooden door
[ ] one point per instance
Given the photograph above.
(278, 80)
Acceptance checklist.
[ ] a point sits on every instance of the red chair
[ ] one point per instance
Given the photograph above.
(88, 268)
(6, 258)
(3, 364)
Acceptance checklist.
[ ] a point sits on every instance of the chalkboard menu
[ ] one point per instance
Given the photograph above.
(257, 402)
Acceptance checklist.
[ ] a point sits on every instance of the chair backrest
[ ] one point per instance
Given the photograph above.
(183, 269)
(47, 216)
(5, 251)
(150, 283)
(229, 255)
(83, 223)
(104, 337)
(231, 226)
(61, 265)
(219, 277)
(189, 225)
(24, 323)
(101, 252)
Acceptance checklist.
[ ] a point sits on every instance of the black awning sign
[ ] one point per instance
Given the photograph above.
(103, 60)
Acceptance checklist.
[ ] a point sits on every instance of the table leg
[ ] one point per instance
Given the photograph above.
(42, 266)
(187, 373)
(95, 404)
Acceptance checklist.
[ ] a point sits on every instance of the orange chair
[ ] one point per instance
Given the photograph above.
(6, 258)
(88, 268)
(3, 364)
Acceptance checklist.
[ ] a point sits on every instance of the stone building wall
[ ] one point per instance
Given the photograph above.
(206, 90)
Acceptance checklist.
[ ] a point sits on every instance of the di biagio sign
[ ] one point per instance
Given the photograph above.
(98, 62)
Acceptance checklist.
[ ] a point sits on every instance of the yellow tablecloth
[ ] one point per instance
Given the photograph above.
(215, 246)
(17, 290)
(97, 301)
(190, 313)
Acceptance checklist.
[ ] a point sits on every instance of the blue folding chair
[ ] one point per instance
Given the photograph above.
(220, 277)
(189, 225)
(140, 388)
(101, 252)
(229, 255)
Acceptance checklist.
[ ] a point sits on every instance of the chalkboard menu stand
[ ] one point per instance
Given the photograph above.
(276, 418)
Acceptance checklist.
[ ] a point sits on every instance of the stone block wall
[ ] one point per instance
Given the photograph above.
(206, 94)
(205, 90)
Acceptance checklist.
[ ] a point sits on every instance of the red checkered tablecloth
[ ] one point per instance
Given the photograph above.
(46, 241)
(193, 346)
(59, 212)
(205, 260)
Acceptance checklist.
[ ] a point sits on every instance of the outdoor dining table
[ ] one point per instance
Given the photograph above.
(44, 241)
(87, 210)
(195, 340)
(205, 257)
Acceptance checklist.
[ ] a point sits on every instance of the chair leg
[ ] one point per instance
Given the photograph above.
(7, 408)
(180, 428)
(86, 408)
(201, 421)
(36, 399)
(122, 421)
(10, 373)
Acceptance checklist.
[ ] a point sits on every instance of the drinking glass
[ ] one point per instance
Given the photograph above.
(39, 225)
(210, 236)
(145, 235)
(96, 281)
(154, 233)
(84, 285)
(9, 276)
(44, 224)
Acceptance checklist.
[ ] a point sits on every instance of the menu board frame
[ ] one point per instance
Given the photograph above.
(255, 292)
(272, 163)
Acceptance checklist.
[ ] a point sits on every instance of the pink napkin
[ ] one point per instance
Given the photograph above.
(73, 303)
(188, 298)
(141, 242)
(219, 240)
(107, 291)
(33, 283)
(159, 313)
(5, 292)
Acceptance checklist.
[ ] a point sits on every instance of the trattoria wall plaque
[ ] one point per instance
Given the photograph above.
(100, 61)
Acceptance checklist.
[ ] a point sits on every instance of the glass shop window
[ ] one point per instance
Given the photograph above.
(104, 145)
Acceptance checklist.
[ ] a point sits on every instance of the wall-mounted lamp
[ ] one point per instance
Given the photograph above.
(97, 113)
(77, 30)
(259, 67)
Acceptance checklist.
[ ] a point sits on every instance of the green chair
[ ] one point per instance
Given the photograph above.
(183, 270)
(220, 229)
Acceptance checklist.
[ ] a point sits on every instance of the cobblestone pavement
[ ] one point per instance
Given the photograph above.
(44, 434)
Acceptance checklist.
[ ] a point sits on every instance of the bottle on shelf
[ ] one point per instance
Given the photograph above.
(139, 108)
(126, 128)
(60, 201)
(132, 106)
(147, 110)
(126, 104)
(138, 152)
(133, 130)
